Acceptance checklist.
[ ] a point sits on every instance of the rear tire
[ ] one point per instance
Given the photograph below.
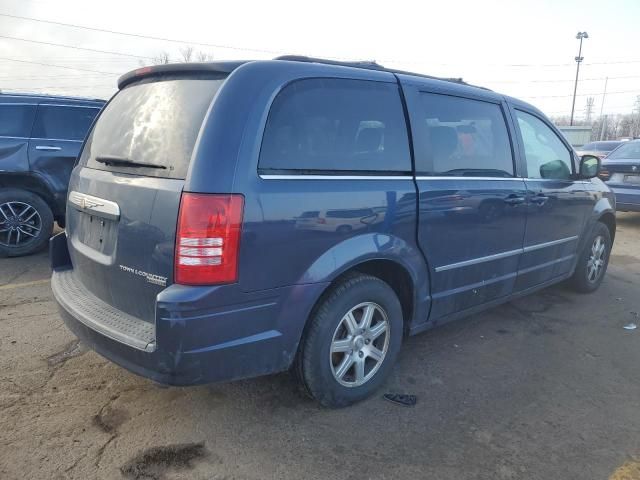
(592, 261)
(26, 222)
(351, 343)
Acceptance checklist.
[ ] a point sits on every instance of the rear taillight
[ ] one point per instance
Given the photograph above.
(208, 238)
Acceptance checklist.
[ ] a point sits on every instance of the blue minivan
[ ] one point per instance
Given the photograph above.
(233, 219)
(40, 139)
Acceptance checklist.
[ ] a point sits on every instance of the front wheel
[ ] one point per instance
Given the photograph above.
(593, 260)
(352, 341)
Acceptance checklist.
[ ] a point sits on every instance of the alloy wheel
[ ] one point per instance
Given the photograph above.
(359, 345)
(20, 224)
(596, 261)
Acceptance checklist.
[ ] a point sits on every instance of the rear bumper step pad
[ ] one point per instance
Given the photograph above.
(99, 315)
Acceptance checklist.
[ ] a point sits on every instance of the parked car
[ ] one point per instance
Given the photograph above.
(184, 259)
(621, 171)
(40, 139)
(599, 149)
(340, 220)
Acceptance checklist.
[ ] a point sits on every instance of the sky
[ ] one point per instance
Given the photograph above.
(521, 48)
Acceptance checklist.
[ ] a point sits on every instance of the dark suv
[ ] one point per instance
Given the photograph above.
(40, 139)
(207, 219)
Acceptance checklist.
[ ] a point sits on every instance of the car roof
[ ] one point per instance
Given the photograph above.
(226, 67)
(229, 66)
(49, 99)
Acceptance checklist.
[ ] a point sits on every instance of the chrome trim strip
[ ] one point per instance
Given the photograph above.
(480, 284)
(335, 177)
(95, 205)
(510, 253)
(65, 105)
(566, 180)
(546, 264)
(48, 148)
(444, 177)
(56, 139)
(475, 261)
(18, 103)
(539, 246)
(14, 138)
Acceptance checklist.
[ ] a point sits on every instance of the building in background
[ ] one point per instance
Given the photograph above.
(576, 135)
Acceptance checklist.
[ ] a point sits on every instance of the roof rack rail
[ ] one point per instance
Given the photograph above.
(369, 65)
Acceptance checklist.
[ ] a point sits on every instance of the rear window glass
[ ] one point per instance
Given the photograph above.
(63, 123)
(153, 122)
(329, 125)
(629, 150)
(16, 120)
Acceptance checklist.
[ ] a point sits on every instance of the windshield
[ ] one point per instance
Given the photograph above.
(629, 150)
(150, 127)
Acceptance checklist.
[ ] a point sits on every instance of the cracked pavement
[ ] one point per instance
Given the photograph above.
(544, 387)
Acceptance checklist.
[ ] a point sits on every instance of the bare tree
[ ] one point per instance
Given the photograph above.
(187, 53)
(204, 56)
(636, 118)
(161, 59)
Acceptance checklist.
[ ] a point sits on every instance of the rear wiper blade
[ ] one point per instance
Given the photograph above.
(125, 162)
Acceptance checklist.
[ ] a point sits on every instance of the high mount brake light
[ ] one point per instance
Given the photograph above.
(207, 239)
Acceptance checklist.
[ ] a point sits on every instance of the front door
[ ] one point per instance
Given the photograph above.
(558, 203)
(472, 207)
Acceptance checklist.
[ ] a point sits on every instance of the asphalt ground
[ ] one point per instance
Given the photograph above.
(546, 387)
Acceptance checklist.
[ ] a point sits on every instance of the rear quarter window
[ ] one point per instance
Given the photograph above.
(336, 125)
(63, 123)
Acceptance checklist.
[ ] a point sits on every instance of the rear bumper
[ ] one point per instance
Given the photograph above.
(201, 334)
(627, 198)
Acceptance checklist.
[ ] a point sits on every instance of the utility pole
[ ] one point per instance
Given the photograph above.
(580, 36)
(636, 121)
(603, 127)
(588, 111)
(603, 120)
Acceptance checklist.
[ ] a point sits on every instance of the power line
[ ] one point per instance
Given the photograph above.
(275, 52)
(149, 37)
(580, 94)
(58, 66)
(555, 81)
(76, 48)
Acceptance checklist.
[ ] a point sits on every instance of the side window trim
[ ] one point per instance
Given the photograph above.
(412, 93)
(553, 129)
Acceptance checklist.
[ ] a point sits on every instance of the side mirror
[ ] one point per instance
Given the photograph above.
(589, 166)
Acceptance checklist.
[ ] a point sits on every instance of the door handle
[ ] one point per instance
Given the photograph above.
(48, 148)
(539, 199)
(514, 200)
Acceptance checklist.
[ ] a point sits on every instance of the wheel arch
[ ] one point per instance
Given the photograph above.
(393, 260)
(34, 184)
(609, 219)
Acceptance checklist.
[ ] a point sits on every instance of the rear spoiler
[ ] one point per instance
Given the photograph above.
(158, 70)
